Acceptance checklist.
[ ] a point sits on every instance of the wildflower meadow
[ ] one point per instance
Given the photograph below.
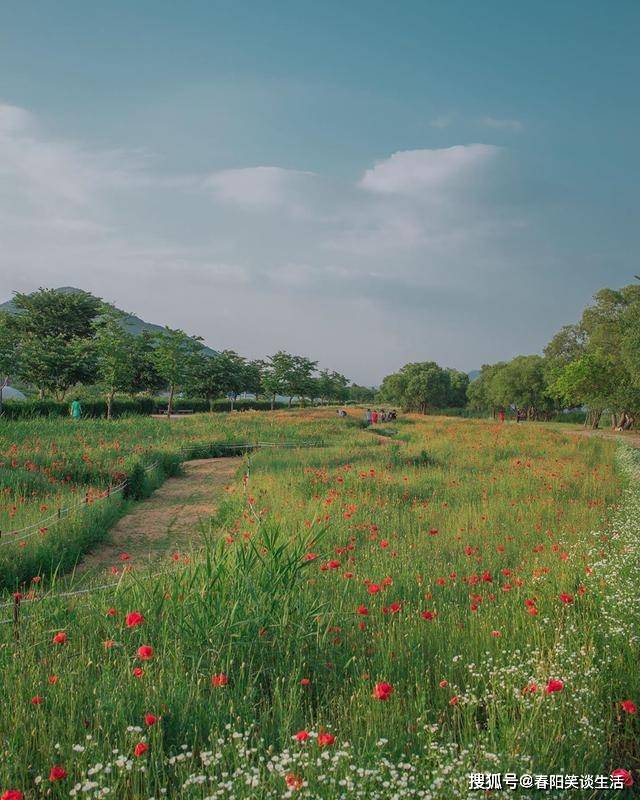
(371, 612)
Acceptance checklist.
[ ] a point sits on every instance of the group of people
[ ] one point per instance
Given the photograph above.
(372, 417)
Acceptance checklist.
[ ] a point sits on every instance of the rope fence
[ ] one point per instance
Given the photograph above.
(35, 528)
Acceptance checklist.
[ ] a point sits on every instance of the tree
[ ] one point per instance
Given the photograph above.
(146, 377)
(114, 348)
(176, 358)
(289, 375)
(54, 333)
(8, 354)
(521, 383)
(458, 392)
(331, 386)
(361, 394)
(418, 387)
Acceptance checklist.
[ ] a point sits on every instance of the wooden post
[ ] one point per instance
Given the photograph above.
(16, 616)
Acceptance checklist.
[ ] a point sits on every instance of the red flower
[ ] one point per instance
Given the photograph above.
(429, 615)
(373, 588)
(12, 794)
(140, 749)
(454, 700)
(443, 683)
(37, 700)
(382, 691)
(219, 680)
(59, 638)
(145, 652)
(628, 705)
(530, 689)
(305, 681)
(137, 672)
(363, 611)
(294, 781)
(53, 679)
(325, 739)
(111, 612)
(134, 618)
(150, 719)
(554, 685)
(302, 736)
(566, 598)
(57, 774)
(624, 774)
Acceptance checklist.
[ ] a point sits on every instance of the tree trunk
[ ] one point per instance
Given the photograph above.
(210, 404)
(170, 402)
(290, 400)
(273, 401)
(231, 399)
(110, 404)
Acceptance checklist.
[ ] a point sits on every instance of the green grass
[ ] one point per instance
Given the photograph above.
(474, 522)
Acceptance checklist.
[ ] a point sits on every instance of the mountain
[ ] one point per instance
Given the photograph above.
(130, 322)
(473, 374)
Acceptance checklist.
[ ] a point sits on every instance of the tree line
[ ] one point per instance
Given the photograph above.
(57, 341)
(593, 364)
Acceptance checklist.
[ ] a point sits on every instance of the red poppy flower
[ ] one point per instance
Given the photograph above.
(59, 638)
(566, 598)
(554, 685)
(325, 739)
(140, 749)
(443, 683)
(150, 719)
(111, 612)
(37, 700)
(12, 794)
(134, 618)
(373, 588)
(530, 689)
(294, 781)
(57, 774)
(629, 706)
(302, 736)
(137, 672)
(219, 680)
(382, 691)
(53, 679)
(305, 681)
(429, 615)
(363, 611)
(627, 779)
(145, 652)
(454, 700)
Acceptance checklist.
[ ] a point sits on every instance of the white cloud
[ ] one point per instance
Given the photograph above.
(414, 171)
(393, 252)
(257, 186)
(502, 124)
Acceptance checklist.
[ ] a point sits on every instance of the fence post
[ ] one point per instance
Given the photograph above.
(16, 616)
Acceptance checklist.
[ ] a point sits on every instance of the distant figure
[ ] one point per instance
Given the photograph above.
(374, 417)
(393, 414)
(76, 409)
(367, 416)
(501, 415)
(342, 412)
(383, 415)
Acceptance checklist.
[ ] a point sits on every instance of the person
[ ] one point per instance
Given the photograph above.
(367, 416)
(342, 412)
(76, 409)
(393, 414)
(501, 415)
(374, 417)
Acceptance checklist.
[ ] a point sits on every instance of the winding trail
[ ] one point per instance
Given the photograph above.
(170, 520)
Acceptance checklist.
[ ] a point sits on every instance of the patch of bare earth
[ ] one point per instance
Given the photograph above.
(171, 520)
(629, 437)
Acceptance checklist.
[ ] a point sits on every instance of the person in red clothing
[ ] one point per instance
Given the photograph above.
(501, 415)
(374, 416)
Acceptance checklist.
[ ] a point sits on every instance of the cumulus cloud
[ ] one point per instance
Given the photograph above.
(414, 171)
(263, 257)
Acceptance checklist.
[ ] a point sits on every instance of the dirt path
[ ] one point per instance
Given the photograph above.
(169, 521)
(632, 439)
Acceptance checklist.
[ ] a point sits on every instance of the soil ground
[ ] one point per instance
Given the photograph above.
(171, 520)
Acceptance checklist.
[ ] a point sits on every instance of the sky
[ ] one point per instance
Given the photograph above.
(365, 183)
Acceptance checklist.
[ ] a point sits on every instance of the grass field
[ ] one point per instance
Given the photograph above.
(377, 618)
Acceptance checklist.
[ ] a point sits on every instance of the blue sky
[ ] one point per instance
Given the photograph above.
(367, 183)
